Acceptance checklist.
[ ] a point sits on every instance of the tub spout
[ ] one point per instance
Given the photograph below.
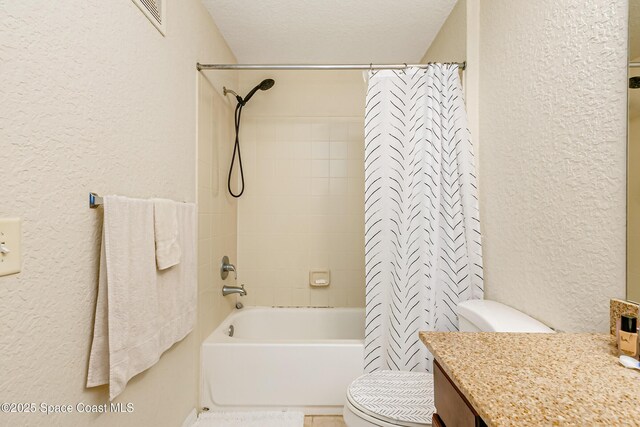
(228, 290)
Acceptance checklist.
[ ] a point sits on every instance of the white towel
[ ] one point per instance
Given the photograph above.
(140, 311)
(168, 251)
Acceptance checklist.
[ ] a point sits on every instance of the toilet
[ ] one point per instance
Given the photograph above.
(397, 398)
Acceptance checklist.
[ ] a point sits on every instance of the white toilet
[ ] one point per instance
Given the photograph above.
(374, 399)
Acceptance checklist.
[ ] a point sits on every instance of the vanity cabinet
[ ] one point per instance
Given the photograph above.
(452, 408)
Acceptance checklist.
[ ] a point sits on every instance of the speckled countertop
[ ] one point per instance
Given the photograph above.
(540, 379)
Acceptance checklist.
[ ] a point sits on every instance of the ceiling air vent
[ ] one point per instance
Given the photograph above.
(155, 11)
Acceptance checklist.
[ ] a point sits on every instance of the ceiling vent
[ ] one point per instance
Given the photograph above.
(155, 11)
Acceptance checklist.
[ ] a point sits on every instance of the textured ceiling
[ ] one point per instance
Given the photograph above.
(329, 31)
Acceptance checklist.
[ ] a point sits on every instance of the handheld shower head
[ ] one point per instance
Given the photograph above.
(264, 85)
(267, 84)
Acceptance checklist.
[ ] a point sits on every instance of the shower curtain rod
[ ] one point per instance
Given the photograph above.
(200, 67)
(634, 64)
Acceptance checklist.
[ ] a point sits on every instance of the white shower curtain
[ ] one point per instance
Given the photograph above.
(422, 235)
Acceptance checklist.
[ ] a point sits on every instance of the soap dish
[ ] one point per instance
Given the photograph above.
(319, 278)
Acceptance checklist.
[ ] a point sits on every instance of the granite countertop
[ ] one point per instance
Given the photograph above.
(540, 379)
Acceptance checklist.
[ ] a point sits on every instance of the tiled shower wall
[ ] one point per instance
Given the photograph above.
(303, 207)
(217, 210)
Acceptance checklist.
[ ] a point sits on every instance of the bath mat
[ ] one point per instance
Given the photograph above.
(250, 419)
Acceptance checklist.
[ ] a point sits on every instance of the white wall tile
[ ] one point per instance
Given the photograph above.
(303, 210)
(339, 131)
(338, 186)
(320, 149)
(320, 131)
(338, 168)
(338, 150)
(300, 297)
(319, 297)
(319, 186)
(320, 168)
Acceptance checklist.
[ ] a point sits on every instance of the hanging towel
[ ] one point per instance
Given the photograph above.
(140, 311)
(168, 251)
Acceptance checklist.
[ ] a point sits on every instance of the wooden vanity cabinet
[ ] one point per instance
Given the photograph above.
(452, 408)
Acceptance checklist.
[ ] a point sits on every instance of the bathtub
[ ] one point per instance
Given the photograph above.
(283, 358)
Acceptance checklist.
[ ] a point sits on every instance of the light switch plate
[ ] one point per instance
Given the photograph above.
(10, 237)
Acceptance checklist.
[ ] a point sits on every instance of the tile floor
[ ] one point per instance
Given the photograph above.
(323, 421)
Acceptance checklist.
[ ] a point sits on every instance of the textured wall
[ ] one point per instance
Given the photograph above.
(93, 99)
(303, 209)
(552, 157)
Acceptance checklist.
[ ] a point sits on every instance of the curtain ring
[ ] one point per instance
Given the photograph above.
(371, 66)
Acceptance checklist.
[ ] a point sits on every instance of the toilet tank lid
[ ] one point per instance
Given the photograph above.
(492, 316)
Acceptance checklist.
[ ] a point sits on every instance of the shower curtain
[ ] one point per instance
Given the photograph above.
(422, 235)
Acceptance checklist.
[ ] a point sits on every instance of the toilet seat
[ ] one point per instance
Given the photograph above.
(392, 398)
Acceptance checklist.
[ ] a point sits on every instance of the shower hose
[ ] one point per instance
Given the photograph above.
(236, 150)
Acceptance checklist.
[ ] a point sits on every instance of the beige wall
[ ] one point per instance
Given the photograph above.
(552, 158)
(545, 94)
(303, 152)
(93, 99)
(450, 45)
(457, 42)
(633, 194)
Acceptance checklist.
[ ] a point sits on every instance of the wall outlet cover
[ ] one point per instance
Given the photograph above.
(10, 246)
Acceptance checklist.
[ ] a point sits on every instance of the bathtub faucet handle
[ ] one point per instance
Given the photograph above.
(226, 267)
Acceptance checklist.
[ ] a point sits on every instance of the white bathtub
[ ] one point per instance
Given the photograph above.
(283, 358)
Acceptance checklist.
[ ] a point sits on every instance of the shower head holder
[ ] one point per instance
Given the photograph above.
(226, 91)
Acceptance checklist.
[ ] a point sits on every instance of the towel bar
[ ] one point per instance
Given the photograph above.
(94, 200)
